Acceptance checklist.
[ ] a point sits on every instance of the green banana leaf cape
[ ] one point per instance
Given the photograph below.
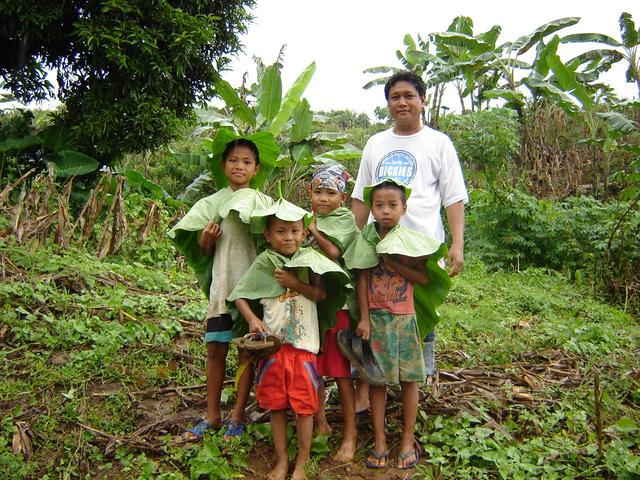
(365, 253)
(259, 282)
(281, 209)
(339, 226)
(215, 207)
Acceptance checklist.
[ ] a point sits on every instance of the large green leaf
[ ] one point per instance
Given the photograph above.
(628, 30)
(524, 43)
(541, 65)
(71, 163)
(590, 38)
(230, 97)
(137, 181)
(197, 189)
(567, 80)
(302, 121)
(462, 24)
(56, 138)
(618, 122)
(17, 144)
(270, 94)
(540, 86)
(291, 99)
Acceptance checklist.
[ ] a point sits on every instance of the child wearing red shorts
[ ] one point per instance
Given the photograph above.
(332, 231)
(282, 278)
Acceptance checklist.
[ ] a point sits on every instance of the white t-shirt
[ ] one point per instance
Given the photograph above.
(234, 253)
(294, 318)
(426, 162)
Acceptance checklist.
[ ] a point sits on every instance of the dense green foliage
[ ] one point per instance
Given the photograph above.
(595, 243)
(487, 143)
(128, 71)
(96, 342)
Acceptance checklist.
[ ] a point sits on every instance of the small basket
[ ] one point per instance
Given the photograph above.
(258, 345)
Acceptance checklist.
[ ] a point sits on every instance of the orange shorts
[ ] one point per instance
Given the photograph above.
(331, 362)
(288, 379)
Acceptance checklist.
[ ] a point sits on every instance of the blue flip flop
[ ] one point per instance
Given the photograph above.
(403, 456)
(235, 428)
(381, 459)
(199, 430)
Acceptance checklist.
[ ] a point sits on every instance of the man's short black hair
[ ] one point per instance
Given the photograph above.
(406, 76)
(241, 142)
(390, 186)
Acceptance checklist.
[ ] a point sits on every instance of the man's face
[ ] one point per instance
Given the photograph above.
(405, 104)
(285, 237)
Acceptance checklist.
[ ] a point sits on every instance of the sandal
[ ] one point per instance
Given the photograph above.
(359, 353)
(381, 459)
(402, 457)
(235, 428)
(199, 430)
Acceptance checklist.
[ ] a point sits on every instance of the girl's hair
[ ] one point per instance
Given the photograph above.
(241, 142)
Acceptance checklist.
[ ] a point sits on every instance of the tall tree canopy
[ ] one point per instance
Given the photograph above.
(127, 70)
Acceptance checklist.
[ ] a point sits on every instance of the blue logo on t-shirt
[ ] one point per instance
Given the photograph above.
(399, 165)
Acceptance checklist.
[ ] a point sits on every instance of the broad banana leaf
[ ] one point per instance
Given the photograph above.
(524, 43)
(270, 94)
(238, 107)
(291, 99)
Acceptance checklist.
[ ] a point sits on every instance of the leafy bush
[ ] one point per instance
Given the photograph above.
(486, 141)
(592, 241)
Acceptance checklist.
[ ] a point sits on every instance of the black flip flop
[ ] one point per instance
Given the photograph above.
(359, 353)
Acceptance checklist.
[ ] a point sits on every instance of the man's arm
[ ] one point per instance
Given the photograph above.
(360, 212)
(455, 218)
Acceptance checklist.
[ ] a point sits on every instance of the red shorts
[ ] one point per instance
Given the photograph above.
(288, 379)
(331, 362)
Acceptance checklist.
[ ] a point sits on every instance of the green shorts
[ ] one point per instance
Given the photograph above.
(397, 346)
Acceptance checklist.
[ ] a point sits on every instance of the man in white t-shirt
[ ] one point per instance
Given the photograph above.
(421, 158)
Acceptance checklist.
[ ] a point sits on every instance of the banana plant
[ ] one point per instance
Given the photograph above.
(280, 126)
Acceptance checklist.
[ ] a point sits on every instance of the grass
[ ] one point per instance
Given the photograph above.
(102, 345)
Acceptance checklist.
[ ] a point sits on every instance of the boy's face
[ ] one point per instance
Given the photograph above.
(405, 104)
(240, 167)
(387, 207)
(285, 237)
(326, 200)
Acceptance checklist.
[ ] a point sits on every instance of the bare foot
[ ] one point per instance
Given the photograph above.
(323, 428)
(279, 472)
(298, 473)
(346, 451)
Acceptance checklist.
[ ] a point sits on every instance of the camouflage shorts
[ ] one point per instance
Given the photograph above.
(397, 346)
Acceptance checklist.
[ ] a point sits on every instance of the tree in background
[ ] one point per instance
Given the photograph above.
(128, 71)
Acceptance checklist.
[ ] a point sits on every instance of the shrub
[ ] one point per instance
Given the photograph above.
(593, 242)
(486, 141)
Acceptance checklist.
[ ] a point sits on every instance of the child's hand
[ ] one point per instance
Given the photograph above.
(363, 330)
(208, 238)
(313, 227)
(256, 326)
(286, 278)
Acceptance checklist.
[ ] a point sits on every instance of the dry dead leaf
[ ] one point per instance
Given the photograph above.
(21, 442)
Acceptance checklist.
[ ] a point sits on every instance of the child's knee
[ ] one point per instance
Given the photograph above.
(217, 352)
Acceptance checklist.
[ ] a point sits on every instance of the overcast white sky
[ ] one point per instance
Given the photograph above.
(344, 37)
